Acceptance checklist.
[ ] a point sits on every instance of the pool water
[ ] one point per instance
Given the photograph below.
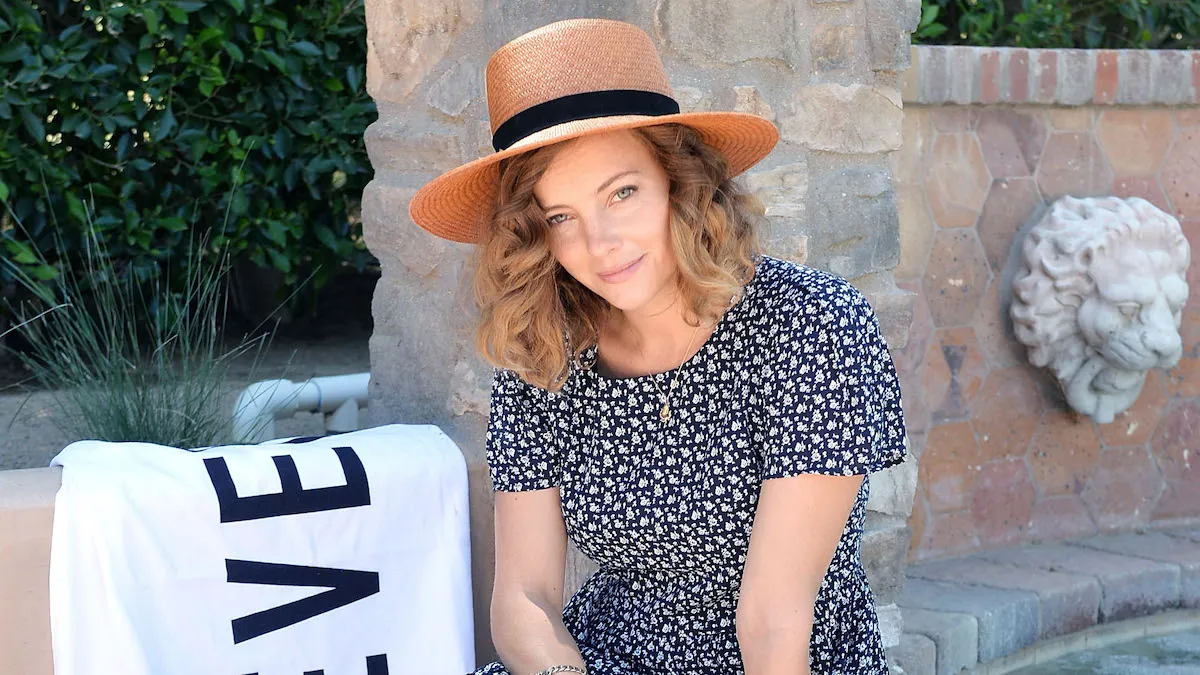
(1172, 654)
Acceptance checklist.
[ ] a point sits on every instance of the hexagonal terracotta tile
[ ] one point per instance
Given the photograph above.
(948, 467)
(1073, 164)
(1136, 141)
(1176, 444)
(950, 119)
(954, 369)
(1124, 488)
(1134, 426)
(1005, 413)
(1064, 452)
(1179, 174)
(1146, 187)
(1176, 440)
(1002, 502)
(1011, 202)
(956, 180)
(949, 534)
(1011, 141)
(1069, 119)
(1058, 518)
(956, 276)
(993, 327)
(1184, 379)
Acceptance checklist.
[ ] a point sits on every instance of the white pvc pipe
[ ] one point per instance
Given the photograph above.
(260, 404)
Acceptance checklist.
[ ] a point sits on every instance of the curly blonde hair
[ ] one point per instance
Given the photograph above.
(535, 318)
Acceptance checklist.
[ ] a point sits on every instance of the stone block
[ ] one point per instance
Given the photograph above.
(1007, 619)
(955, 636)
(846, 119)
(1067, 603)
(394, 145)
(890, 623)
(887, 34)
(892, 490)
(1130, 587)
(1077, 76)
(1135, 69)
(1159, 547)
(750, 100)
(391, 236)
(1172, 77)
(782, 189)
(452, 91)
(406, 39)
(724, 32)
(833, 47)
(854, 219)
(883, 552)
(915, 655)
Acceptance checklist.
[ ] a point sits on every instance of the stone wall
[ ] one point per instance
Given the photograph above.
(991, 137)
(827, 72)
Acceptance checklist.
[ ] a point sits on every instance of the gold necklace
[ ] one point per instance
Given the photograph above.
(665, 413)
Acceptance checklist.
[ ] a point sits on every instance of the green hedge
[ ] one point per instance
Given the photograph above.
(1083, 24)
(158, 120)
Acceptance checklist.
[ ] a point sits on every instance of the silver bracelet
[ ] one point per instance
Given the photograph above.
(563, 669)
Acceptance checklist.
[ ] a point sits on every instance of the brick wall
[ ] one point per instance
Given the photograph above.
(1002, 460)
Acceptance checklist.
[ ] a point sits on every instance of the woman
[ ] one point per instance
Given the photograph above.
(696, 417)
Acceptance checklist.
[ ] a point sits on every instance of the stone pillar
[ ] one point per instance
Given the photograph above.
(825, 70)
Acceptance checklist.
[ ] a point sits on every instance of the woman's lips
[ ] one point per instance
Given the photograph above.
(623, 274)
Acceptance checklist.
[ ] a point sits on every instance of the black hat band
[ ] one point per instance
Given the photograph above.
(580, 107)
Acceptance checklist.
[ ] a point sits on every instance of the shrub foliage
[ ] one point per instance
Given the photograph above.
(151, 122)
(1082, 24)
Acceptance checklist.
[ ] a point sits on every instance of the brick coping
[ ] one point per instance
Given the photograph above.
(996, 611)
(1068, 77)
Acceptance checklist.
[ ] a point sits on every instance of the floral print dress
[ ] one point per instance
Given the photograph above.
(795, 378)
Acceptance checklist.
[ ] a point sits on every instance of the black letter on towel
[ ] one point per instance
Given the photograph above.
(376, 665)
(345, 587)
(293, 498)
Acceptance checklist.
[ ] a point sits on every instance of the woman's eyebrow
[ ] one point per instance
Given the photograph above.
(610, 180)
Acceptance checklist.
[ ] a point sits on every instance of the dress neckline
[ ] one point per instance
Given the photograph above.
(589, 354)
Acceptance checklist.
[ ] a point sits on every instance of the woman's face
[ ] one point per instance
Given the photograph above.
(605, 198)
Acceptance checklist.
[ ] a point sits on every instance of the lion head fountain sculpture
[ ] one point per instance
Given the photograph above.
(1098, 298)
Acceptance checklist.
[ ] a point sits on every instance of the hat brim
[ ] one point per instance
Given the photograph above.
(457, 204)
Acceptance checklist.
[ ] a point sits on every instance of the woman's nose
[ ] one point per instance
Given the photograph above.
(602, 235)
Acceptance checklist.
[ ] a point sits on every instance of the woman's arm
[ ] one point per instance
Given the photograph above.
(796, 531)
(527, 598)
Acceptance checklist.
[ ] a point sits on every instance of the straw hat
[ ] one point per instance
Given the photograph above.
(565, 80)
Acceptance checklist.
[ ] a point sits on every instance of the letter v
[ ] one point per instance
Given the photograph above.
(345, 587)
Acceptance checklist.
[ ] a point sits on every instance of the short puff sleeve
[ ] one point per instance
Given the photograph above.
(831, 396)
(522, 452)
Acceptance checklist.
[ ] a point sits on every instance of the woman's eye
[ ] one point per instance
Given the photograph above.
(556, 218)
(625, 192)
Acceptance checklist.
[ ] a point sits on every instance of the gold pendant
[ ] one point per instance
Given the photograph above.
(665, 413)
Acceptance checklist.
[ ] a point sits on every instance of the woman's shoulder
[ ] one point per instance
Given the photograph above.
(791, 291)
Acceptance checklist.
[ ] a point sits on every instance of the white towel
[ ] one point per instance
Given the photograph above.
(347, 555)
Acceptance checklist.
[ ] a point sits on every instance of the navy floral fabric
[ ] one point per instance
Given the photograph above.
(796, 378)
